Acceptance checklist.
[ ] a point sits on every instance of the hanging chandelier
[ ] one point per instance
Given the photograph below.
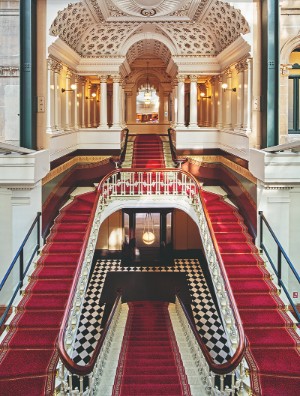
(147, 93)
(148, 236)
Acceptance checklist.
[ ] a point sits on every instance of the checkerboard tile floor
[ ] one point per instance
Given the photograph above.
(206, 316)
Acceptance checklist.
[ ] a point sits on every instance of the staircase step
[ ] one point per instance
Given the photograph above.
(62, 272)
(237, 271)
(38, 320)
(59, 259)
(50, 286)
(265, 318)
(269, 337)
(33, 339)
(151, 390)
(151, 379)
(45, 302)
(250, 286)
(256, 300)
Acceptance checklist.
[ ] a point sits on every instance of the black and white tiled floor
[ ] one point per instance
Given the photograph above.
(205, 314)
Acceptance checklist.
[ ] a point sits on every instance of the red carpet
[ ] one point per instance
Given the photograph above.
(273, 353)
(28, 355)
(150, 362)
(148, 152)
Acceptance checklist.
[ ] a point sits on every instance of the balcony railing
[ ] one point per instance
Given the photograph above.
(142, 183)
(280, 262)
(12, 282)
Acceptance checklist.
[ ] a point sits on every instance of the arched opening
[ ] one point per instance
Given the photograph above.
(294, 92)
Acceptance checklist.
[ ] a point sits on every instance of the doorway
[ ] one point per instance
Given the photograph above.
(147, 237)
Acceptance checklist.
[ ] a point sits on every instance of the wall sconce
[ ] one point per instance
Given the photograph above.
(225, 88)
(73, 87)
(93, 96)
(203, 96)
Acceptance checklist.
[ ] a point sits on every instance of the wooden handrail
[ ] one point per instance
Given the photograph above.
(85, 370)
(173, 150)
(88, 368)
(220, 369)
(239, 353)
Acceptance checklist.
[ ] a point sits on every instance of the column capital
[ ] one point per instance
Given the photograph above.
(82, 79)
(116, 78)
(54, 65)
(242, 65)
(228, 73)
(181, 78)
(69, 73)
(193, 78)
(103, 78)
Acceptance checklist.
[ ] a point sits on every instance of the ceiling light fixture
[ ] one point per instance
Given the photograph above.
(148, 236)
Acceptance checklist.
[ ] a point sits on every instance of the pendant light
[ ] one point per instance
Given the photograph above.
(148, 233)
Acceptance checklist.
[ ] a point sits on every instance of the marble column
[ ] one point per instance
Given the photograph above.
(89, 124)
(284, 102)
(57, 97)
(193, 101)
(116, 101)
(67, 99)
(103, 102)
(240, 96)
(50, 96)
(219, 123)
(247, 96)
(181, 92)
(76, 104)
(213, 82)
(83, 102)
(228, 100)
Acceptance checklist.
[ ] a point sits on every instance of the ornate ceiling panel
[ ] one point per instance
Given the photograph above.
(147, 8)
(87, 33)
(148, 48)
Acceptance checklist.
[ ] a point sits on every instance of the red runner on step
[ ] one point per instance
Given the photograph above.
(28, 355)
(150, 362)
(273, 353)
(148, 152)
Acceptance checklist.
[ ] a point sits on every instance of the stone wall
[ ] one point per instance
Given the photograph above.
(9, 71)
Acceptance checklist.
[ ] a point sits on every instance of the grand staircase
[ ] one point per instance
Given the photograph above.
(28, 355)
(148, 152)
(273, 354)
(150, 362)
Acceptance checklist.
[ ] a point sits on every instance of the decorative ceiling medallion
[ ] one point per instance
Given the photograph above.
(147, 8)
(146, 12)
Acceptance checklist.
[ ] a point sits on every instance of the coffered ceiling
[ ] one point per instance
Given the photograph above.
(163, 28)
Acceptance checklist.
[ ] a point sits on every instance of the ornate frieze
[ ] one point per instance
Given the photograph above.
(88, 159)
(9, 71)
(199, 159)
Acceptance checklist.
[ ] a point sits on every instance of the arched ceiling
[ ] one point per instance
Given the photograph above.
(209, 26)
(148, 48)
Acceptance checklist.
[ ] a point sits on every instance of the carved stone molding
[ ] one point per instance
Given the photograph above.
(54, 65)
(193, 77)
(116, 78)
(181, 78)
(9, 71)
(103, 78)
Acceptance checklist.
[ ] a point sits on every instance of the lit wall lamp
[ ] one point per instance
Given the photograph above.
(73, 87)
(225, 88)
(203, 96)
(93, 96)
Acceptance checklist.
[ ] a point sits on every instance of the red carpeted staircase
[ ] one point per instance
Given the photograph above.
(273, 354)
(150, 362)
(148, 152)
(28, 355)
